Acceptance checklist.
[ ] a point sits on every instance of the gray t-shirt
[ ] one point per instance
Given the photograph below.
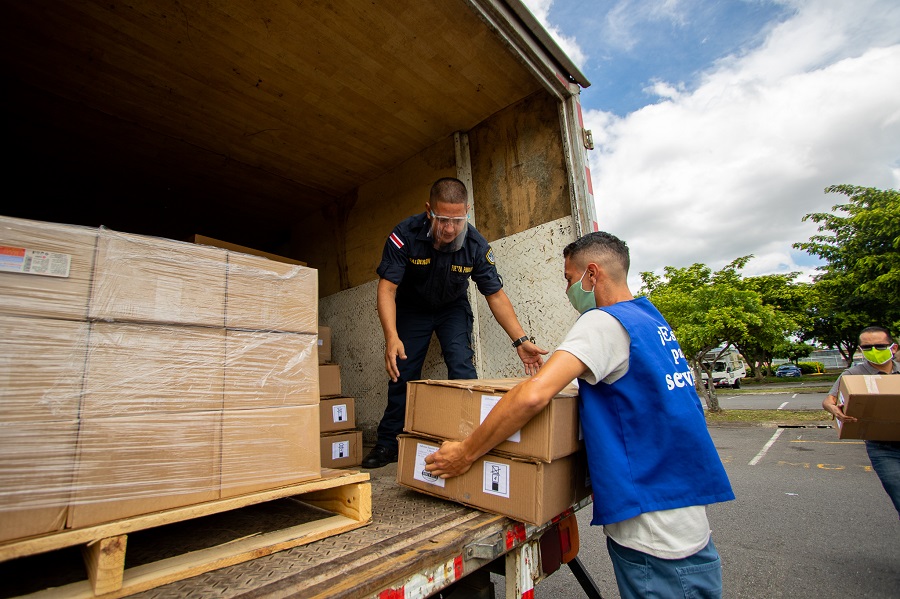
(864, 368)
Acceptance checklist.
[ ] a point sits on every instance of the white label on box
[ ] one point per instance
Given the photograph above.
(487, 404)
(871, 383)
(34, 262)
(419, 472)
(339, 413)
(496, 479)
(340, 450)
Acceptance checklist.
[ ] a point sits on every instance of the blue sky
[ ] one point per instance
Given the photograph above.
(718, 124)
(629, 45)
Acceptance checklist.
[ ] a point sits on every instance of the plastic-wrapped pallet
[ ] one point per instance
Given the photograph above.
(124, 389)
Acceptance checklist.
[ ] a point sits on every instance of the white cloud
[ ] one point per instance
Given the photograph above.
(622, 27)
(730, 168)
(541, 10)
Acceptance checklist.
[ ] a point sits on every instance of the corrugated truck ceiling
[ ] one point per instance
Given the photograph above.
(278, 106)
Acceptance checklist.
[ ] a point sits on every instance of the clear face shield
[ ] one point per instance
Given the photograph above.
(448, 232)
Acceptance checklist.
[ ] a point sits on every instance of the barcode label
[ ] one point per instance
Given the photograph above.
(34, 262)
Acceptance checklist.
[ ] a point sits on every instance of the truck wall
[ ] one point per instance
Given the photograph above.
(531, 265)
(522, 205)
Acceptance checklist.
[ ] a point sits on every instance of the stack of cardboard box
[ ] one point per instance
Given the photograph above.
(341, 443)
(143, 374)
(533, 476)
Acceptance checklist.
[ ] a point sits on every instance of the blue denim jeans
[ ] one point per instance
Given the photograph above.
(885, 458)
(453, 326)
(642, 576)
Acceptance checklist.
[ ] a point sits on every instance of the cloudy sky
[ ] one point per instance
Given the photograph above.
(718, 125)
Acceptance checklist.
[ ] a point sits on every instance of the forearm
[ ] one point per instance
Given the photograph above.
(511, 413)
(387, 308)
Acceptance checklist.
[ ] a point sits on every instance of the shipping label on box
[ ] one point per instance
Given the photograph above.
(45, 268)
(453, 409)
(34, 262)
(874, 400)
(337, 414)
(266, 369)
(341, 450)
(530, 491)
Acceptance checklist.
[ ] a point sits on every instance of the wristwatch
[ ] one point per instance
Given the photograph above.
(522, 340)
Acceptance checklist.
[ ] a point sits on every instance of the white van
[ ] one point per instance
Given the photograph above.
(727, 369)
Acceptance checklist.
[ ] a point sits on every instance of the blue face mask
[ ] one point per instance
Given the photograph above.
(580, 299)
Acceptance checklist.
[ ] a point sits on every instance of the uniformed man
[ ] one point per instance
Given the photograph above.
(424, 276)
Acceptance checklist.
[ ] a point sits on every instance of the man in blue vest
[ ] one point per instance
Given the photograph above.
(653, 465)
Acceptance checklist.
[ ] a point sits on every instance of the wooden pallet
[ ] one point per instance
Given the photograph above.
(347, 495)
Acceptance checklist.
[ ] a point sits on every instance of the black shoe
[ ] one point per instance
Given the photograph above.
(379, 456)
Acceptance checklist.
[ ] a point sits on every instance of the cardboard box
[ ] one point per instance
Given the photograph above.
(144, 463)
(341, 450)
(874, 400)
(143, 368)
(204, 240)
(453, 409)
(41, 368)
(269, 448)
(329, 380)
(267, 370)
(38, 463)
(45, 268)
(529, 491)
(337, 414)
(273, 296)
(148, 279)
(324, 344)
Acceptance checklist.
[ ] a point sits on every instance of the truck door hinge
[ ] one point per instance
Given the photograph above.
(588, 139)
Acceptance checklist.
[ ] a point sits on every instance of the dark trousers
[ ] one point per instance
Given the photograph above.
(453, 326)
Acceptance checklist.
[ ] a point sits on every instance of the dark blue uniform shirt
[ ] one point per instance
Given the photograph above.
(427, 278)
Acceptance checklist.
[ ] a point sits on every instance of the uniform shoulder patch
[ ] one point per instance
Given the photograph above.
(490, 255)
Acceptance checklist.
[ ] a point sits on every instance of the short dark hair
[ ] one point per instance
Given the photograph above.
(877, 329)
(450, 190)
(603, 244)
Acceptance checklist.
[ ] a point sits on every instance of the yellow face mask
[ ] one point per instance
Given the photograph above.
(878, 356)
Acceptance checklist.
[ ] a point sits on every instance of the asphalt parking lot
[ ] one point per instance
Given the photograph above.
(810, 520)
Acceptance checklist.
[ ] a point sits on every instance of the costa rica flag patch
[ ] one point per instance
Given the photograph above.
(395, 239)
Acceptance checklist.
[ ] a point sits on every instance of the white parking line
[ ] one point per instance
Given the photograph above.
(766, 447)
(794, 395)
(781, 407)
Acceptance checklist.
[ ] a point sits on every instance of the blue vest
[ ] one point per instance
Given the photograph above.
(647, 443)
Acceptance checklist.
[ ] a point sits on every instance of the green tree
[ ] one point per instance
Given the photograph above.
(785, 315)
(859, 240)
(706, 310)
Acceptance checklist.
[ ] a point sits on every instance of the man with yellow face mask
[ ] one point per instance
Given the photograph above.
(879, 350)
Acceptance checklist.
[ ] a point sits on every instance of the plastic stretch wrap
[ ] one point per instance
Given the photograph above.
(109, 418)
(45, 268)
